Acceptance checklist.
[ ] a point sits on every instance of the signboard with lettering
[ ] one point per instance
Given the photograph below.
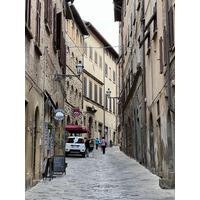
(59, 163)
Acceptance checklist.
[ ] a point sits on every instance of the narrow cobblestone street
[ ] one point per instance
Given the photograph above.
(109, 176)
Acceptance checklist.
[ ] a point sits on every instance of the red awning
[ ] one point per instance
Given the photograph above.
(72, 128)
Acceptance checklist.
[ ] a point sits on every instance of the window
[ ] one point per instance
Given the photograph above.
(48, 15)
(59, 30)
(110, 74)
(158, 108)
(100, 61)
(95, 92)
(85, 86)
(113, 105)
(28, 13)
(100, 95)
(90, 89)
(38, 19)
(77, 37)
(95, 57)
(106, 69)
(85, 48)
(91, 55)
(113, 76)
(106, 101)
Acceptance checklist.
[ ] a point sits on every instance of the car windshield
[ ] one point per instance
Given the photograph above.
(75, 140)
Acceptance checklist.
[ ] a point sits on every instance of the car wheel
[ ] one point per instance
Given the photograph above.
(83, 155)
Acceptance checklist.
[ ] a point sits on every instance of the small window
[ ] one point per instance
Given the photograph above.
(106, 69)
(95, 56)
(158, 107)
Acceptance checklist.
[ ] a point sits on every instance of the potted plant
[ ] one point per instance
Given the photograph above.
(110, 143)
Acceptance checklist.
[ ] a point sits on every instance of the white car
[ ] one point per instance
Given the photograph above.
(75, 145)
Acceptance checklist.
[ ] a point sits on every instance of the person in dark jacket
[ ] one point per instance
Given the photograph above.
(87, 146)
(103, 144)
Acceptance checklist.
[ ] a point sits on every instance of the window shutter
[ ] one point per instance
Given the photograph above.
(100, 95)
(28, 13)
(171, 27)
(54, 27)
(59, 30)
(38, 18)
(164, 41)
(113, 105)
(161, 56)
(46, 11)
(95, 92)
(106, 101)
(90, 88)
(50, 15)
(85, 86)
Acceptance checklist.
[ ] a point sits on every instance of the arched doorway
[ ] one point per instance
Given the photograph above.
(35, 141)
(68, 120)
(151, 138)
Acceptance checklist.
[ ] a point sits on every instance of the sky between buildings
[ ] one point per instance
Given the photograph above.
(101, 14)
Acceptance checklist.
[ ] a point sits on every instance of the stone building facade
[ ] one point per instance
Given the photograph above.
(44, 57)
(99, 75)
(148, 109)
(75, 33)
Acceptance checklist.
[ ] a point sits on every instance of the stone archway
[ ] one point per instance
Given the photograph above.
(68, 120)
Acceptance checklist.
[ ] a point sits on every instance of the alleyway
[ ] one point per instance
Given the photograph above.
(109, 176)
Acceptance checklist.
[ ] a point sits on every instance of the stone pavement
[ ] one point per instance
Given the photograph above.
(109, 176)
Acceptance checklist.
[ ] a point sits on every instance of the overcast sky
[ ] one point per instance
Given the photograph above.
(101, 14)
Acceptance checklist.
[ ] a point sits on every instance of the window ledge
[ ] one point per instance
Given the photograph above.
(37, 48)
(28, 32)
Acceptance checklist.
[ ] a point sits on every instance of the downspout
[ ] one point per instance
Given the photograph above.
(104, 111)
(168, 67)
(44, 85)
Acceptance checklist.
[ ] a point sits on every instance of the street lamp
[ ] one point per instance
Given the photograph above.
(108, 92)
(79, 68)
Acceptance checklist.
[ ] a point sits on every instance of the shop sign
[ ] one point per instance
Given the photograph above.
(60, 114)
(76, 112)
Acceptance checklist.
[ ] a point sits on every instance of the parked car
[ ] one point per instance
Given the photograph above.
(75, 145)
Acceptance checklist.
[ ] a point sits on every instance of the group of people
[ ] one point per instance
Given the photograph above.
(103, 145)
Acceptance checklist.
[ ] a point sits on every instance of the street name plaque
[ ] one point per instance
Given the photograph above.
(59, 163)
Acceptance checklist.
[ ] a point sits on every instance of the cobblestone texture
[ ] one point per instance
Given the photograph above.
(109, 176)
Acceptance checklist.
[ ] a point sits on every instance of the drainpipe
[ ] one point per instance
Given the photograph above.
(44, 85)
(168, 68)
(144, 82)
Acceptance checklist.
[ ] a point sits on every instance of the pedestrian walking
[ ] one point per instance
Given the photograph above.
(87, 146)
(103, 144)
(97, 143)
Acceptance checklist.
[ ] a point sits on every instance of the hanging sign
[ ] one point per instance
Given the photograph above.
(76, 112)
(60, 114)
